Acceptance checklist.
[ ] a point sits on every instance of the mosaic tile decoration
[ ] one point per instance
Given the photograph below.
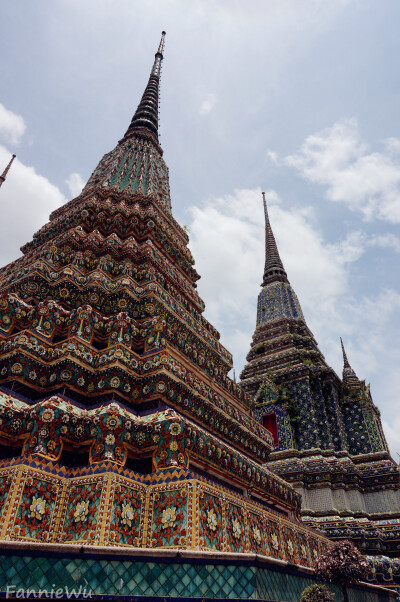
(108, 505)
(156, 579)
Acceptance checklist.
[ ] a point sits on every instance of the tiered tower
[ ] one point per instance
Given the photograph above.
(123, 440)
(328, 437)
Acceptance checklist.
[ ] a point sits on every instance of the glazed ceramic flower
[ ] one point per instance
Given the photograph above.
(257, 534)
(290, 547)
(140, 438)
(127, 514)
(37, 508)
(110, 439)
(175, 428)
(81, 511)
(168, 517)
(212, 520)
(48, 415)
(236, 528)
(112, 422)
(275, 542)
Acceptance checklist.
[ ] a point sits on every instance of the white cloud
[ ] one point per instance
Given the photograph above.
(27, 199)
(12, 126)
(393, 145)
(366, 181)
(75, 184)
(208, 104)
(388, 241)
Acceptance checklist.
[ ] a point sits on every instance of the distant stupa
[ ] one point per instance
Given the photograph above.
(328, 438)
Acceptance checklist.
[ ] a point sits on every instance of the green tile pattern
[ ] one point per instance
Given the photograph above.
(123, 577)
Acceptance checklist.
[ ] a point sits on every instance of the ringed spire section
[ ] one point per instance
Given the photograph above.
(146, 115)
(274, 270)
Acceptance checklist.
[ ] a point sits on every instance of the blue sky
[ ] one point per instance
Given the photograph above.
(300, 98)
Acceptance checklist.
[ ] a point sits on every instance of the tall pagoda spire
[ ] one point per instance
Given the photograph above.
(282, 337)
(5, 172)
(277, 298)
(274, 270)
(146, 115)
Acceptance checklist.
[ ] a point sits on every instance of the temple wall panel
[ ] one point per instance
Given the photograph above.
(356, 500)
(319, 499)
(340, 499)
(105, 505)
(382, 501)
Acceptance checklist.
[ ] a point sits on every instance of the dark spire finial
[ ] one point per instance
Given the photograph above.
(345, 360)
(274, 270)
(349, 376)
(5, 172)
(146, 116)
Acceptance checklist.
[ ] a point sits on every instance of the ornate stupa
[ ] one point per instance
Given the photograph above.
(131, 464)
(328, 437)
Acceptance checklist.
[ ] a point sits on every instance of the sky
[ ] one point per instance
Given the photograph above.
(300, 98)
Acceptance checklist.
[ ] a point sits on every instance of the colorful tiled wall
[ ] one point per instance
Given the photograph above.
(106, 504)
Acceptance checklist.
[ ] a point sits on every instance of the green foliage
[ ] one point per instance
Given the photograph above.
(317, 593)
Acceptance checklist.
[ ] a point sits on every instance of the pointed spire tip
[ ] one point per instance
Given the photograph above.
(274, 270)
(345, 360)
(5, 172)
(162, 43)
